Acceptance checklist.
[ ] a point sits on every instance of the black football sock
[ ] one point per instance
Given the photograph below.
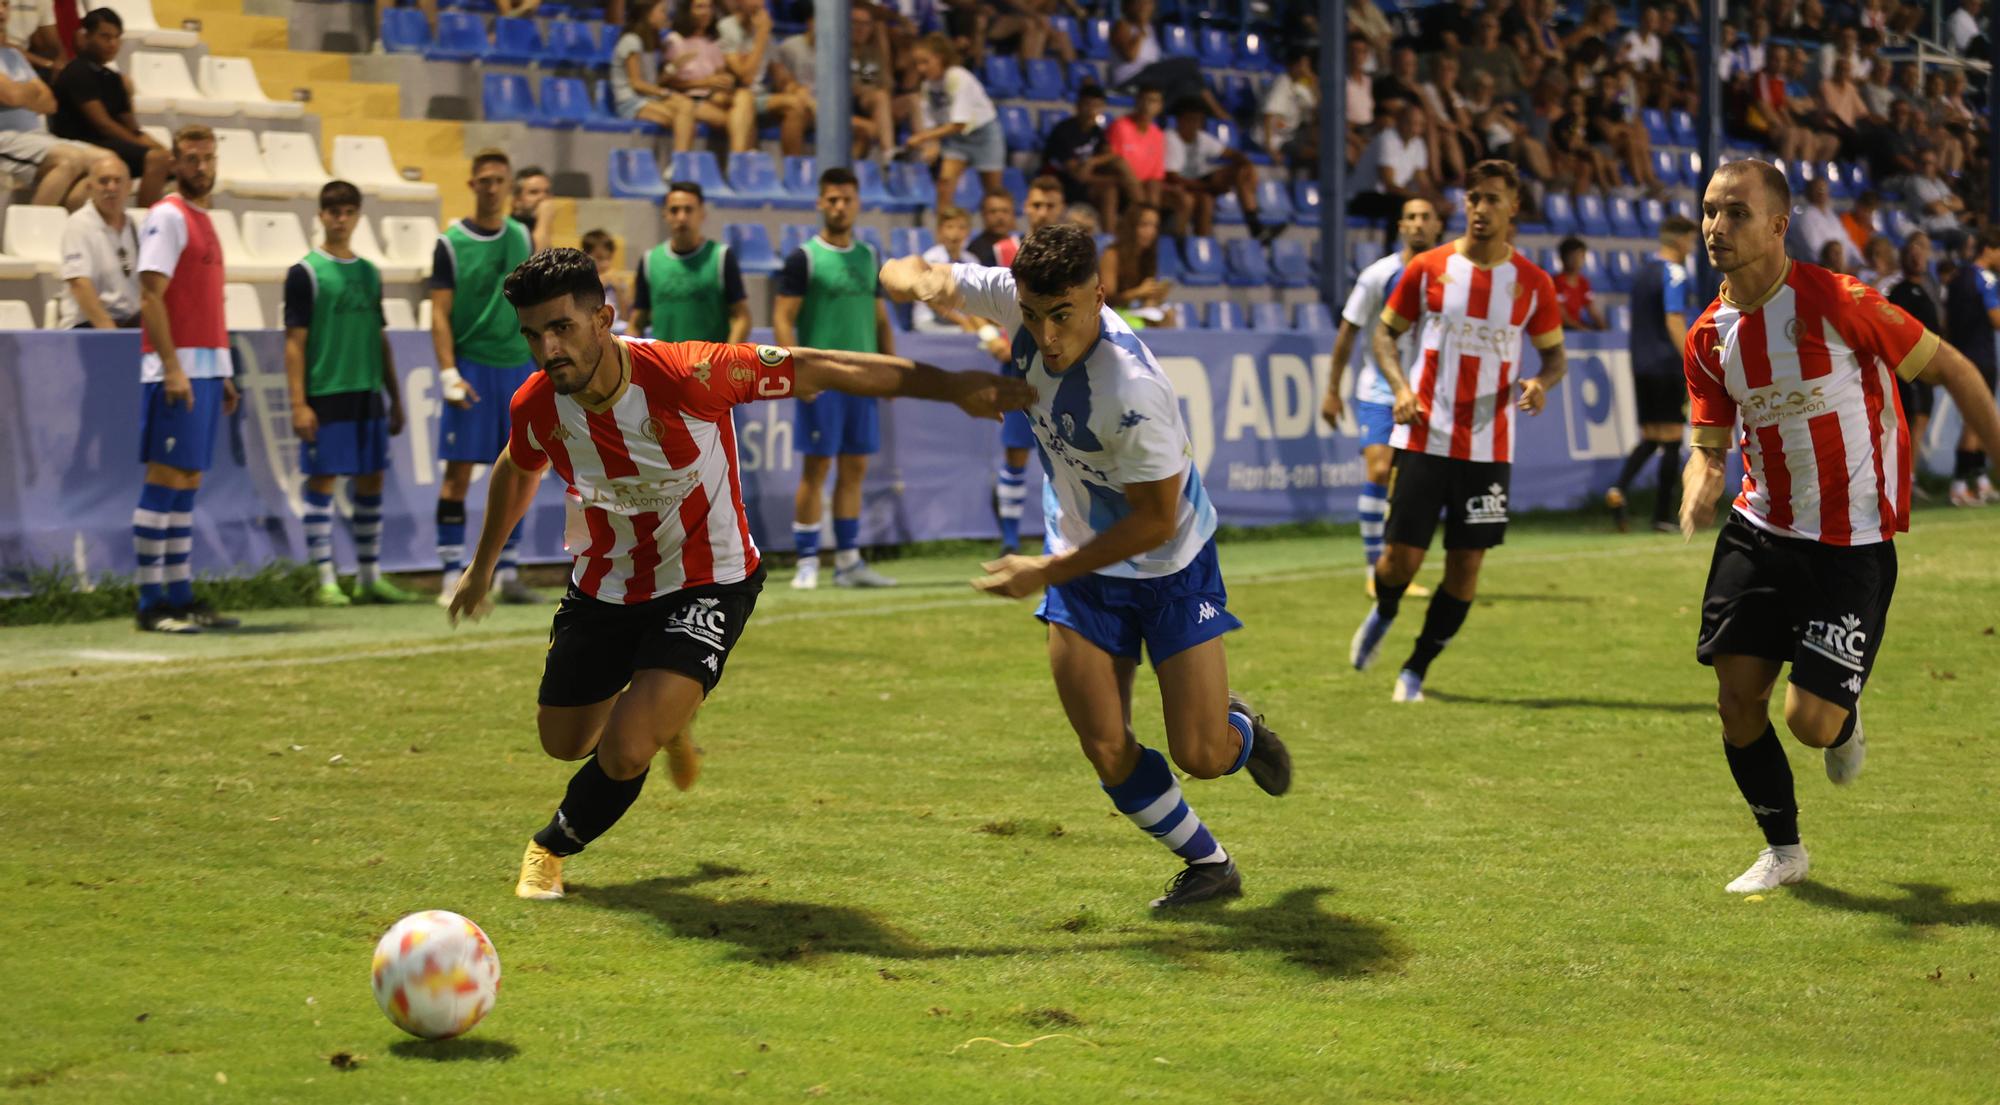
(1253, 221)
(594, 802)
(1765, 778)
(1634, 461)
(1667, 507)
(1441, 622)
(1847, 727)
(1388, 597)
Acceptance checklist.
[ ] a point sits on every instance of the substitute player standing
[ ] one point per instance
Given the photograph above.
(1806, 360)
(666, 573)
(345, 401)
(689, 286)
(1374, 400)
(185, 366)
(1131, 559)
(1658, 334)
(1454, 438)
(481, 358)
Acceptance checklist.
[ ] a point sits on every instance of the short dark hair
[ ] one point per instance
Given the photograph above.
(596, 238)
(1090, 90)
(339, 193)
(98, 17)
(552, 274)
(688, 186)
(840, 176)
(1989, 238)
(1571, 244)
(1869, 197)
(1188, 105)
(1494, 169)
(1769, 175)
(528, 171)
(489, 156)
(991, 196)
(1055, 259)
(1677, 226)
(1047, 182)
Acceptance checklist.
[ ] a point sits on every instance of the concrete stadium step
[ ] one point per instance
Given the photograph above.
(224, 27)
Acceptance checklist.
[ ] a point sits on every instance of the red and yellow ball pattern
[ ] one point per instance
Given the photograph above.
(435, 974)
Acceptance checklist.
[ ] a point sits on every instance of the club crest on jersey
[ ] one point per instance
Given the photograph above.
(1068, 422)
(1792, 330)
(771, 355)
(700, 372)
(741, 374)
(653, 428)
(1517, 289)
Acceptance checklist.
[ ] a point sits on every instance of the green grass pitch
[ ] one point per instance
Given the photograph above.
(897, 862)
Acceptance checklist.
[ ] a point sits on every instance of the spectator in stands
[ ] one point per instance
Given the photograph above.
(1401, 84)
(30, 27)
(1938, 209)
(747, 49)
(1401, 157)
(1136, 61)
(1879, 265)
(100, 247)
(94, 105)
(1448, 27)
(1588, 41)
(1947, 121)
(1878, 95)
(1573, 291)
(1909, 85)
(1077, 154)
(1131, 266)
(1914, 291)
(1360, 98)
(636, 92)
(1859, 221)
(1574, 158)
(1818, 223)
(797, 59)
(1045, 203)
(1455, 136)
(1833, 257)
(1200, 168)
(1897, 151)
(872, 69)
(1845, 111)
(1011, 26)
(1964, 32)
(1532, 24)
(1291, 115)
(602, 249)
(1489, 55)
(689, 287)
(957, 124)
(953, 225)
(695, 65)
(1640, 47)
(28, 152)
(1085, 216)
(997, 242)
(534, 206)
(1844, 46)
(1138, 139)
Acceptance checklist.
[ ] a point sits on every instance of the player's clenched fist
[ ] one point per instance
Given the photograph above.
(986, 395)
(1013, 577)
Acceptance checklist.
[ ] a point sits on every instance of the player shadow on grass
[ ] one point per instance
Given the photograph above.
(1572, 703)
(1922, 905)
(774, 932)
(461, 1049)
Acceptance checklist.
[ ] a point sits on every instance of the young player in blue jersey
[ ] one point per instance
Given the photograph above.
(1130, 559)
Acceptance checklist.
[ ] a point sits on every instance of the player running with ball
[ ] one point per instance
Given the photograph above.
(666, 573)
(1131, 554)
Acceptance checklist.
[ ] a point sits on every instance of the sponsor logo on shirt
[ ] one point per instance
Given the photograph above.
(1841, 641)
(1770, 405)
(1475, 337)
(632, 495)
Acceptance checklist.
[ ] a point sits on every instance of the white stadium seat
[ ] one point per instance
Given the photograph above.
(237, 260)
(365, 245)
(235, 80)
(424, 313)
(241, 309)
(410, 240)
(294, 155)
(275, 237)
(16, 315)
(142, 27)
(160, 82)
(240, 169)
(18, 268)
(398, 314)
(34, 235)
(158, 133)
(364, 159)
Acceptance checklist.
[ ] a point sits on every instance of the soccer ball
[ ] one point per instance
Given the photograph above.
(436, 974)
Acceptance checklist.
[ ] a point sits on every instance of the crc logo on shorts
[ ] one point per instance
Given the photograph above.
(1488, 508)
(1842, 642)
(702, 619)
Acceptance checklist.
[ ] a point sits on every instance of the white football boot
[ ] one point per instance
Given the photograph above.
(1776, 866)
(806, 576)
(1844, 763)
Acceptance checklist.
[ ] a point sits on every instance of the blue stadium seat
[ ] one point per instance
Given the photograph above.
(968, 194)
(1901, 226)
(1690, 166)
(1590, 217)
(751, 242)
(1559, 211)
(1015, 182)
(461, 36)
(1684, 132)
(1274, 204)
(515, 42)
(875, 193)
(1106, 241)
(1201, 263)
(1686, 209)
(1080, 73)
(568, 42)
(1253, 51)
(1620, 268)
(566, 103)
(1018, 129)
(1291, 267)
(754, 176)
(1096, 39)
(635, 175)
(405, 31)
(1176, 41)
(1305, 202)
(607, 43)
(1316, 317)
(1064, 26)
(1228, 209)
(1652, 213)
(1656, 126)
(1048, 119)
(700, 167)
(792, 237)
(1268, 318)
(909, 241)
(1248, 267)
(1237, 95)
(1224, 315)
(1190, 316)
(912, 183)
(873, 236)
(1667, 167)
(504, 98)
(1620, 318)
(1043, 80)
(1839, 183)
(1594, 271)
(1215, 49)
(1797, 174)
(1228, 130)
(1624, 220)
(1859, 176)
(1547, 260)
(1001, 77)
(1168, 255)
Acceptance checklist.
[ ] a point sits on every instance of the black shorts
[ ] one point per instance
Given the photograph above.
(1660, 398)
(595, 646)
(1821, 608)
(1918, 399)
(133, 154)
(1470, 494)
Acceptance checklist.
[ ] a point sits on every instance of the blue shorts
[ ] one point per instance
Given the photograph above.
(478, 433)
(1377, 422)
(355, 448)
(1016, 432)
(177, 436)
(839, 425)
(1169, 614)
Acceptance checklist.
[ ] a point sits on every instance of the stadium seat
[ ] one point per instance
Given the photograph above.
(241, 308)
(1201, 263)
(873, 236)
(410, 240)
(160, 82)
(875, 193)
(1228, 209)
(240, 169)
(800, 180)
(1002, 77)
(18, 268)
(1042, 79)
(967, 194)
(1590, 218)
(568, 42)
(1215, 49)
(363, 160)
(515, 42)
(1047, 120)
(461, 36)
(1559, 211)
(1176, 41)
(1684, 132)
(635, 175)
(751, 242)
(1065, 27)
(565, 103)
(912, 183)
(908, 241)
(1248, 267)
(1015, 182)
(1652, 213)
(1839, 182)
(397, 314)
(1168, 255)
(605, 120)
(424, 313)
(1237, 94)
(505, 98)
(1224, 315)
(1686, 209)
(1291, 267)
(607, 43)
(1268, 317)
(366, 245)
(238, 262)
(1547, 260)
(754, 176)
(1018, 129)
(142, 27)
(1228, 130)
(1253, 51)
(1624, 220)
(792, 237)
(1619, 269)
(234, 80)
(1901, 226)
(700, 167)
(275, 237)
(1106, 241)
(1081, 73)
(34, 235)
(1619, 318)
(1667, 167)
(1595, 272)
(1274, 203)
(1186, 315)
(1860, 177)
(1305, 202)
(1690, 166)
(1096, 39)
(1314, 317)
(16, 315)
(1656, 126)
(406, 31)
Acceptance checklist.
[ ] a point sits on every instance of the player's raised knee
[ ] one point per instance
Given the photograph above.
(1208, 761)
(1813, 720)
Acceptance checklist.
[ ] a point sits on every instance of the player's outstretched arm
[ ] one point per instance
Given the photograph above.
(509, 490)
(979, 394)
(913, 278)
(1701, 486)
(1950, 369)
(1149, 525)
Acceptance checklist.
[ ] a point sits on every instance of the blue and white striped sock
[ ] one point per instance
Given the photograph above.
(1013, 503)
(846, 542)
(1374, 505)
(1152, 799)
(177, 567)
(367, 528)
(149, 541)
(319, 533)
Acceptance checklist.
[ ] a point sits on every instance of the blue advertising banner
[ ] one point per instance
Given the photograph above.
(69, 472)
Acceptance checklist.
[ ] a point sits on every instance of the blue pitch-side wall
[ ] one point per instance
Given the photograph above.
(69, 471)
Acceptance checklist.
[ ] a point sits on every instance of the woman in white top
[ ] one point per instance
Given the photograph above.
(635, 89)
(695, 65)
(957, 124)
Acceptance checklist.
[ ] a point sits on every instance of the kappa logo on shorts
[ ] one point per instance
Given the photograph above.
(170, 443)
(1488, 508)
(1853, 684)
(1841, 642)
(1205, 611)
(711, 663)
(702, 619)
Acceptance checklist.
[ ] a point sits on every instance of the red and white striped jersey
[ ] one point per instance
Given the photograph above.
(655, 500)
(1808, 367)
(1472, 319)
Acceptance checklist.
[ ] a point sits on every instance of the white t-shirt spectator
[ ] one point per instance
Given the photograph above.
(1291, 103)
(631, 45)
(109, 258)
(1196, 159)
(25, 17)
(956, 97)
(796, 53)
(1960, 30)
(737, 38)
(924, 320)
(1403, 158)
(1820, 225)
(1924, 191)
(1641, 49)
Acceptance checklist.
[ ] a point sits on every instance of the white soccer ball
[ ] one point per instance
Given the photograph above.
(436, 974)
